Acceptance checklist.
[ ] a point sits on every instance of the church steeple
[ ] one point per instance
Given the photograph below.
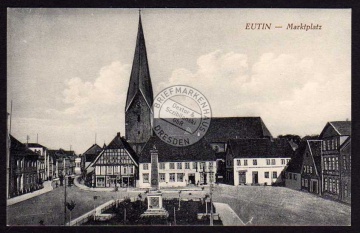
(140, 81)
(138, 111)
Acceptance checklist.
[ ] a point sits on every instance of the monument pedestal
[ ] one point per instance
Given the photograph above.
(155, 205)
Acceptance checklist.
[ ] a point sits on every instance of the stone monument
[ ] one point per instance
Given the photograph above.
(154, 196)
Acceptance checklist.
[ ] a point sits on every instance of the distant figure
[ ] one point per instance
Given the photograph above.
(56, 184)
(197, 184)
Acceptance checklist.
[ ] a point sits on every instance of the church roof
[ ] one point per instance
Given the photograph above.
(35, 145)
(140, 82)
(199, 151)
(225, 128)
(260, 148)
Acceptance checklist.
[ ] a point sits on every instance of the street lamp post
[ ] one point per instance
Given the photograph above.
(65, 201)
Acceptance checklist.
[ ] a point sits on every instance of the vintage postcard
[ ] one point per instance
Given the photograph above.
(173, 117)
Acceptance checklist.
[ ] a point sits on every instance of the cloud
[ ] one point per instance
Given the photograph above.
(93, 106)
(291, 94)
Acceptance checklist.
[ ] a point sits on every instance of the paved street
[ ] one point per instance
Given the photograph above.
(274, 206)
(254, 205)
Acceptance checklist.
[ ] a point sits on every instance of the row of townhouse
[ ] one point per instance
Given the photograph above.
(323, 166)
(31, 163)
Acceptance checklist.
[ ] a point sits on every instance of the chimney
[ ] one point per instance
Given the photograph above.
(118, 134)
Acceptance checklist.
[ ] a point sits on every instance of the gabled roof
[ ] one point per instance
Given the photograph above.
(199, 151)
(340, 128)
(296, 162)
(346, 143)
(35, 145)
(91, 153)
(315, 150)
(260, 148)
(121, 143)
(140, 82)
(95, 149)
(19, 149)
(117, 143)
(225, 128)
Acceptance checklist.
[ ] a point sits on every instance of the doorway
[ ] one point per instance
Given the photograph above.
(242, 178)
(191, 178)
(255, 178)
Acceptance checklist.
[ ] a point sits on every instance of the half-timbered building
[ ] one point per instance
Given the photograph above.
(117, 165)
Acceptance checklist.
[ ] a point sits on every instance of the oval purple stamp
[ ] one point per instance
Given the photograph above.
(182, 115)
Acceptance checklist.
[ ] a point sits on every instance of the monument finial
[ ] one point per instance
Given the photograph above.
(154, 147)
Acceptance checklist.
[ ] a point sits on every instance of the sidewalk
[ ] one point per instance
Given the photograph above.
(47, 188)
(227, 215)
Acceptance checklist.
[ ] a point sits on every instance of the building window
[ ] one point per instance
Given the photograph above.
(310, 169)
(274, 176)
(302, 182)
(245, 162)
(307, 154)
(346, 190)
(100, 182)
(267, 161)
(266, 174)
(306, 183)
(187, 165)
(336, 163)
(238, 162)
(162, 166)
(254, 162)
(172, 177)
(138, 132)
(125, 170)
(282, 161)
(145, 177)
(180, 177)
(162, 177)
(295, 177)
(326, 184)
(211, 165)
(179, 165)
(145, 166)
(172, 166)
(138, 118)
(290, 176)
(337, 186)
(287, 161)
(304, 169)
(131, 170)
(330, 185)
(325, 164)
(344, 162)
(194, 164)
(202, 165)
(273, 162)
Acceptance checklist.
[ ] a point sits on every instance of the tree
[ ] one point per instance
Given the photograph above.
(70, 207)
(310, 137)
(291, 137)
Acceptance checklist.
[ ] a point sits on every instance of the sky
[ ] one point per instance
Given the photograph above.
(68, 69)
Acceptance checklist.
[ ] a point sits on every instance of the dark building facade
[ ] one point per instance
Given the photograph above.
(23, 177)
(138, 109)
(311, 167)
(333, 136)
(345, 171)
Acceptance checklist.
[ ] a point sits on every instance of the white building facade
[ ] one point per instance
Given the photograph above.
(257, 161)
(258, 171)
(179, 173)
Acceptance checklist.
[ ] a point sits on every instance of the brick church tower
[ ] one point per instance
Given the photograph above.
(138, 112)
